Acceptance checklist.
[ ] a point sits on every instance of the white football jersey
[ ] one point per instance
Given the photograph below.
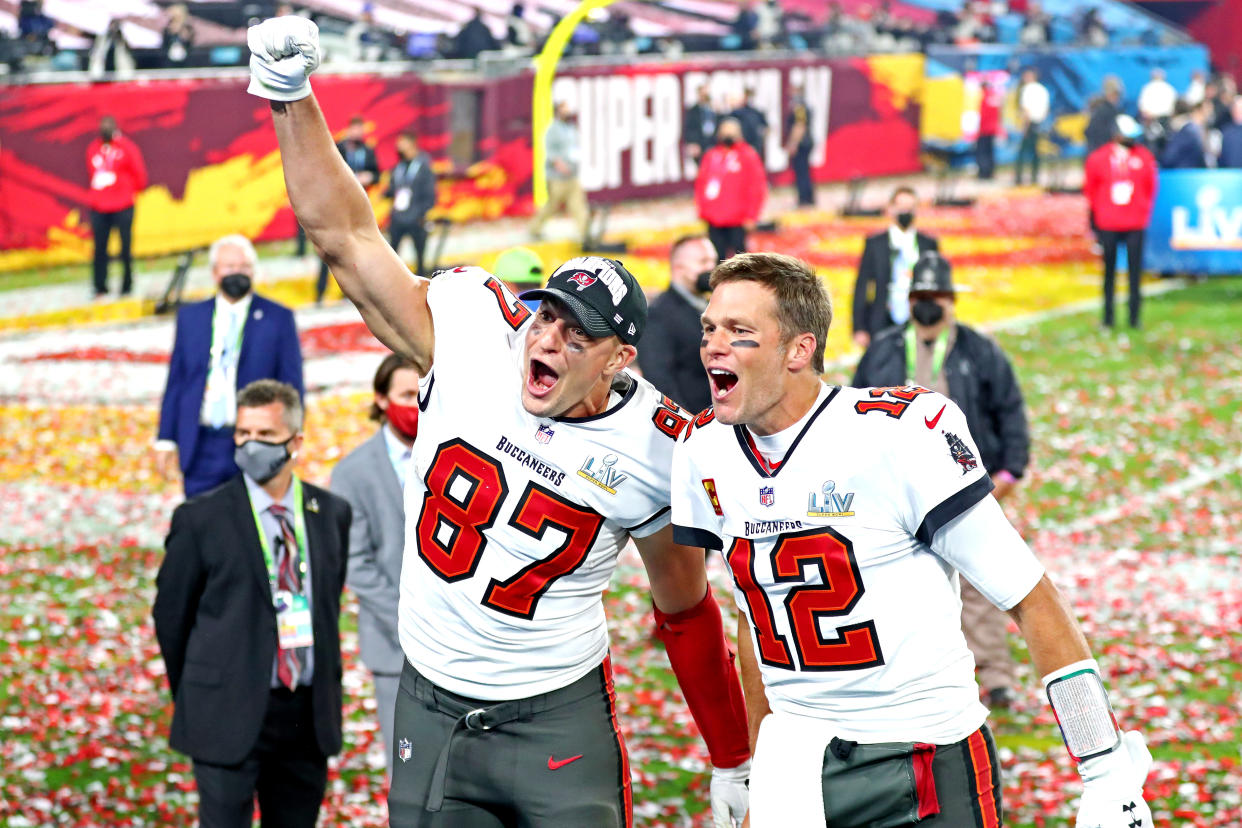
(854, 619)
(514, 522)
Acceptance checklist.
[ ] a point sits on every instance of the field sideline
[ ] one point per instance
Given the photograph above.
(1131, 501)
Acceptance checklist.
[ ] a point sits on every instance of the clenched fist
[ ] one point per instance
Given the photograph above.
(283, 53)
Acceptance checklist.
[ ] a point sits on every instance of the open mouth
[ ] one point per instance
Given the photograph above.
(722, 382)
(540, 378)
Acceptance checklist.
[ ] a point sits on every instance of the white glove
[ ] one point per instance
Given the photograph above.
(730, 795)
(1112, 786)
(283, 53)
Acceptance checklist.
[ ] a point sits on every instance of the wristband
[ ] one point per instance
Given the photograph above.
(1080, 703)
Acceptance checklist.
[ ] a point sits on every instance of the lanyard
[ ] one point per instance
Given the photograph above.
(299, 531)
(241, 329)
(405, 177)
(938, 353)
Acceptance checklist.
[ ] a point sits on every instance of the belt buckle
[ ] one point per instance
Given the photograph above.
(474, 720)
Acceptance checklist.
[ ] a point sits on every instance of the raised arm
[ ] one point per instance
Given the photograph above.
(326, 197)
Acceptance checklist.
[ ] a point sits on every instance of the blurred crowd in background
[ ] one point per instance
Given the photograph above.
(153, 34)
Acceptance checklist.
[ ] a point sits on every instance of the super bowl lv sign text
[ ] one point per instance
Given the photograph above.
(630, 124)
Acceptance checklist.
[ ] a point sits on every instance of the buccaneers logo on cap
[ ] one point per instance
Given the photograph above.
(583, 279)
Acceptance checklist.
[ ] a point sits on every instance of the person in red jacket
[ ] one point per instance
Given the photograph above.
(990, 127)
(730, 189)
(1119, 180)
(117, 174)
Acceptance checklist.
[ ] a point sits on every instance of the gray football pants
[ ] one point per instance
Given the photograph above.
(556, 760)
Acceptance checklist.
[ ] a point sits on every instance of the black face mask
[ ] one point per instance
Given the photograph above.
(904, 220)
(703, 282)
(106, 135)
(728, 141)
(235, 285)
(1126, 142)
(927, 312)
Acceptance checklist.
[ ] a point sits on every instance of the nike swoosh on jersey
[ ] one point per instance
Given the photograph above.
(932, 422)
(554, 764)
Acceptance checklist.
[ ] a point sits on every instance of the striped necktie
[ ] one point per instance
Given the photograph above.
(289, 662)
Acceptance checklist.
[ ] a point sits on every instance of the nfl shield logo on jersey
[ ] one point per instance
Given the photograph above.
(767, 495)
(405, 750)
(544, 434)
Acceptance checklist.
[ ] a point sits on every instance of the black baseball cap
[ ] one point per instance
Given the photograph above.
(601, 293)
(932, 274)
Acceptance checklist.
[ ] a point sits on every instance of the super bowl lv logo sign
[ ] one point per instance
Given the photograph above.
(1213, 225)
(829, 502)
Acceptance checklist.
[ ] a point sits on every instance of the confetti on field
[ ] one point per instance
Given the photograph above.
(1131, 501)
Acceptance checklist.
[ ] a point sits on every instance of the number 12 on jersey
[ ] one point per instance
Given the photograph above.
(855, 646)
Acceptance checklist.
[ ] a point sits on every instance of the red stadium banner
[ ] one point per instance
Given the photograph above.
(215, 169)
(864, 118)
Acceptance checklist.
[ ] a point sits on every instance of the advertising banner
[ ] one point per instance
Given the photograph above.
(1196, 223)
(215, 169)
(864, 118)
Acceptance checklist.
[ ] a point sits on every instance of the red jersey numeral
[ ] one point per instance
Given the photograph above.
(773, 649)
(514, 311)
(854, 647)
(669, 418)
(539, 509)
(902, 396)
(465, 489)
(705, 416)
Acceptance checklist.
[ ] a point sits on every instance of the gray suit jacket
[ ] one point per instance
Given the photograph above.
(376, 543)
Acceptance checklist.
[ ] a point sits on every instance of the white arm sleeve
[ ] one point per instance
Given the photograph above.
(982, 544)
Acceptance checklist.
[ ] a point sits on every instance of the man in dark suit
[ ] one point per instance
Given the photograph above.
(753, 122)
(882, 289)
(246, 611)
(1186, 148)
(371, 478)
(412, 188)
(670, 355)
(699, 128)
(221, 345)
(798, 145)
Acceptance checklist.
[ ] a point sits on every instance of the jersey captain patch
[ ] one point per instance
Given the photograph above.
(962, 455)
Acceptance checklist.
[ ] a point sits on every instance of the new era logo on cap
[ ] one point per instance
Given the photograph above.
(601, 293)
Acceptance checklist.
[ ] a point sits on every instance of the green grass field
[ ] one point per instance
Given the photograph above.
(1132, 501)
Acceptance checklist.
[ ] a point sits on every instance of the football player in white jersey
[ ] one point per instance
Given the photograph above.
(539, 457)
(845, 516)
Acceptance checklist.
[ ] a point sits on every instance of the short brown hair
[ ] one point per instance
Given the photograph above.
(802, 302)
(267, 391)
(383, 380)
(904, 189)
(682, 241)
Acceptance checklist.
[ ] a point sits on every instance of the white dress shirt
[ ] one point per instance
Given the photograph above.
(220, 395)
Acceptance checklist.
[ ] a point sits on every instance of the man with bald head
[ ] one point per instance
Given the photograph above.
(222, 344)
(670, 355)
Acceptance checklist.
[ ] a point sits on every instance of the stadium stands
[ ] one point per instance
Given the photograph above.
(418, 28)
